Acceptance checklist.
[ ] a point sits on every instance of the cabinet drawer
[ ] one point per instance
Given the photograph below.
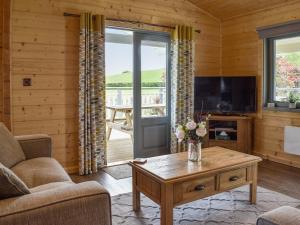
(233, 179)
(194, 189)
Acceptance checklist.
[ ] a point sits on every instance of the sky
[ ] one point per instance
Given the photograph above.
(119, 57)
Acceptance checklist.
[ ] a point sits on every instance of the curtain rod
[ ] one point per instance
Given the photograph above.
(129, 21)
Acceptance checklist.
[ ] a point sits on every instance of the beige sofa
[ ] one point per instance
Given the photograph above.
(54, 198)
(285, 215)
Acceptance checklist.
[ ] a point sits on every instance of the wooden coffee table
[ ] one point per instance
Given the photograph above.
(172, 180)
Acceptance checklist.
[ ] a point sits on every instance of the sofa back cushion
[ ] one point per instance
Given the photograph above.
(11, 185)
(11, 152)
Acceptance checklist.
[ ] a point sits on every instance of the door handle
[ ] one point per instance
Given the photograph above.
(200, 187)
(233, 178)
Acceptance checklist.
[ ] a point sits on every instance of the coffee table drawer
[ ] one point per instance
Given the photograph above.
(194, 189)
(233, 179)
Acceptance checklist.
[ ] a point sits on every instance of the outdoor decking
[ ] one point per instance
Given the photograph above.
(119, 147)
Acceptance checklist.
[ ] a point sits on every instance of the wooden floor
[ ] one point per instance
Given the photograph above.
(280, 178)
(271, 175)
(115, 187)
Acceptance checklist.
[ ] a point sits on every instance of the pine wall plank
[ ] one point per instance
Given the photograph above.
(242, 54)
(5, 60)
(1, 62)
(45, 49)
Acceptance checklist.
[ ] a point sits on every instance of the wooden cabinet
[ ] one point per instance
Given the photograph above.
(238, 130)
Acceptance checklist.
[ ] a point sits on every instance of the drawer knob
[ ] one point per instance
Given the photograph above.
(233, 178)
(200, 187)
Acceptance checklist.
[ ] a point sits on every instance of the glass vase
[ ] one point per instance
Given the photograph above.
(194, 152)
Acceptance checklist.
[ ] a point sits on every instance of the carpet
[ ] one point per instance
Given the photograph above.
(119, 172)
(228, 208)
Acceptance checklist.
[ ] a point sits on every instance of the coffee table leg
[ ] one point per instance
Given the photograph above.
(166, 207)
(136, 195)
(253, 185)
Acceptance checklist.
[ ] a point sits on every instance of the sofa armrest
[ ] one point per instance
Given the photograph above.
(284, 215)
(37, 145)
(76, 204)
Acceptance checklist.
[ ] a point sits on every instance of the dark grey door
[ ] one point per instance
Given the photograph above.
(151, 94)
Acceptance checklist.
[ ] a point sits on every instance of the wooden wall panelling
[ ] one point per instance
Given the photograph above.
(242, 54)
(6, 63)
(1, 62)
(45, 49)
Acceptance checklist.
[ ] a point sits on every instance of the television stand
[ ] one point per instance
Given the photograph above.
(233, 132)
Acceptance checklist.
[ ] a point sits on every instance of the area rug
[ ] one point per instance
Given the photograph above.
(228, 208)
(119, 172)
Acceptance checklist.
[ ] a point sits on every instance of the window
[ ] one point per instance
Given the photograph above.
(282, 69)
(281, 64)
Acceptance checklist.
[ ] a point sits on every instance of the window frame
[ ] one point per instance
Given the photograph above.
(269, 72)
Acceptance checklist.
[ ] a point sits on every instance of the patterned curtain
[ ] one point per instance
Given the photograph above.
(182, 75)
(92, 142)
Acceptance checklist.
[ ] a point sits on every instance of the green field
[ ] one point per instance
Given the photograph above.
(148, 76)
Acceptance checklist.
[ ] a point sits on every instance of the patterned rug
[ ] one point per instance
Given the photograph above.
(228, 208)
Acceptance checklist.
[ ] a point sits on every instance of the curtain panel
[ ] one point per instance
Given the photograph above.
(92, 118)
(182, 75)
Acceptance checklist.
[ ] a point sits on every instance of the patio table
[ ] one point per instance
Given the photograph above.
(127, 125)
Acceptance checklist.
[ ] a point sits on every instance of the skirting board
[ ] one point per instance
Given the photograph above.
(72, 169)
(277, 159)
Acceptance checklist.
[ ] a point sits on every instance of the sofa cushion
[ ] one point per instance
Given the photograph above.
(47, 187)
(11, 152)
(11, 185)
(87, 203)
(285, 215)
(39, 171)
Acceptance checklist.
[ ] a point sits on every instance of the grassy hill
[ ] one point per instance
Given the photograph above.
(148, 76)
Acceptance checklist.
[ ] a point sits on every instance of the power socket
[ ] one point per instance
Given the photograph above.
(27, 82)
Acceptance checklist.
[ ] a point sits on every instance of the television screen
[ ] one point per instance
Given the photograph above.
(225, 94)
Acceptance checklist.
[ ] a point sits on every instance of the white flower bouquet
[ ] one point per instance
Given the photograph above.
(192, 131)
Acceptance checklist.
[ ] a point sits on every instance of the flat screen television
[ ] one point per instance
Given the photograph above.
(225, 95)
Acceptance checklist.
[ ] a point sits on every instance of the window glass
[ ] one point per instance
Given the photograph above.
(286, 68)
(153, 78)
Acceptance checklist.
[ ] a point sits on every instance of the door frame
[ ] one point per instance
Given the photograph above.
(138, 36)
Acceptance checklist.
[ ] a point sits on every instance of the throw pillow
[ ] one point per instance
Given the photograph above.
(11, 185)
(11, 152)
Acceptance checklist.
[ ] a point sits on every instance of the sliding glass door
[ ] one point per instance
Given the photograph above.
(137, 93)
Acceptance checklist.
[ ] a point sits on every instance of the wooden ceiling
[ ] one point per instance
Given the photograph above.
(226, 9)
